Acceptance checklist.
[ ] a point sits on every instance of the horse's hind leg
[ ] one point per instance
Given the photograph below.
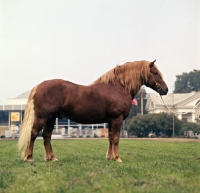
(37, 127)
(47, 138)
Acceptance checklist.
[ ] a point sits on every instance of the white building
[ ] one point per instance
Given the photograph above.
(185, 105)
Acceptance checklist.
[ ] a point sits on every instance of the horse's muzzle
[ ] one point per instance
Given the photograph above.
(162, 91)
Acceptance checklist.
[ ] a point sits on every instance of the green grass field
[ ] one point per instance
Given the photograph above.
(148, 166)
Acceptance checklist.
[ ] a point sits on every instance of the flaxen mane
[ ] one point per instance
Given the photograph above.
(130, 75)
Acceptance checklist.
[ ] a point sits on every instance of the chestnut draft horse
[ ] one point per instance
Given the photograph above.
(106, 100)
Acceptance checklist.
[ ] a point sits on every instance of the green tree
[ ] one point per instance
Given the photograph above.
(159, 123)
(186, 126)
(187, 82)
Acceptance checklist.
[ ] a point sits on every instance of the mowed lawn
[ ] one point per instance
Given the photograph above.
(148, 166)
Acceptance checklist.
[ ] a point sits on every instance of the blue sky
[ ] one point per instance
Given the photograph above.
(79, 40)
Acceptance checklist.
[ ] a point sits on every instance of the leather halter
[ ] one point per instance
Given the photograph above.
(158, 87)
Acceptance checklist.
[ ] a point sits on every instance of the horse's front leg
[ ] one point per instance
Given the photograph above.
(109, 152)
(114, 134)
(47, 140)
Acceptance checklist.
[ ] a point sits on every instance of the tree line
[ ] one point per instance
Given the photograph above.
(161, 124)
(187, 82)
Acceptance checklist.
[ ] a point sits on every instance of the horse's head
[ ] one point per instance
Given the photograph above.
(155, 80)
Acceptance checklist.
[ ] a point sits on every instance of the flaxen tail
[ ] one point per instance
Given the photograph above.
(29, 117)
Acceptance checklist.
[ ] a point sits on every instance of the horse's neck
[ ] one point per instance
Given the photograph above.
(132, 91)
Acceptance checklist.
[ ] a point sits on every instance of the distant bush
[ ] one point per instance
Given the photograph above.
(161, 124)
(187, 126)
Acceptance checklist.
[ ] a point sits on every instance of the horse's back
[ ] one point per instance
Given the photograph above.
(96, 103)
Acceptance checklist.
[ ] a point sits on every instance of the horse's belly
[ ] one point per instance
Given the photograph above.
(84, 117)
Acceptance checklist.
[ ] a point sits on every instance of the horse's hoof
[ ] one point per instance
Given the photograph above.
(28, 159)
(53, 159)
(118, 160)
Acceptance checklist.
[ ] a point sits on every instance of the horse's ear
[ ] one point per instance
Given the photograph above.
(151, 64)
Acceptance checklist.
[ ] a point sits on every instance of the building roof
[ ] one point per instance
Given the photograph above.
(23, 95)
(18, 103)
(171, 99)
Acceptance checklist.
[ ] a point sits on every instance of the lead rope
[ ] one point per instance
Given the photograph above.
(178, 112)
